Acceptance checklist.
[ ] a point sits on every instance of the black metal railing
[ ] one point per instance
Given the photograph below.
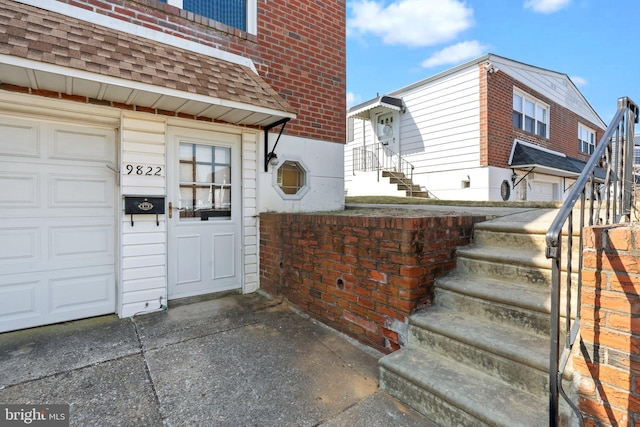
(603, 193)
(379, 157)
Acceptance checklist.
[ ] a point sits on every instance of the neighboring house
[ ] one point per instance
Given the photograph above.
(138, 146)
(490, 129)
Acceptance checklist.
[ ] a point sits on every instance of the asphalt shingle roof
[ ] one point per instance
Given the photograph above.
(528, 156)
(36, 34)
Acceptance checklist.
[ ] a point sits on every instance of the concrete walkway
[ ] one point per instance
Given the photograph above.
(239, 360)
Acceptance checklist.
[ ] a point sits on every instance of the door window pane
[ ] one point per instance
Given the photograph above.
(205, 182)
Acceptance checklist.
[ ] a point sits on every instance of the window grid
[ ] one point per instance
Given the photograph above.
(586, 140)
(228, 12)
(530, 115)
(205, 181)
(291, 177)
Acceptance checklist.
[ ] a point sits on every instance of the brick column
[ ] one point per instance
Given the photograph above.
(609, 360)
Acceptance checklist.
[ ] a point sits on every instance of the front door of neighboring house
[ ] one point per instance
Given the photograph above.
(204, 193)
(386, 132)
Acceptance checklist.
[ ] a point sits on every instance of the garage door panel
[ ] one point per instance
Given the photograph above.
(19, 245)
(19, 138)
(19, 300)
(82, 293)
(81, 144)
(80, 191)
(19, 189)
(73, 242)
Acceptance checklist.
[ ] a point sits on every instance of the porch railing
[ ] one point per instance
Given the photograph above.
(379, 157)
(603, 193)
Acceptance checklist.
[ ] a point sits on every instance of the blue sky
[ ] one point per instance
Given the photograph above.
(393, 43)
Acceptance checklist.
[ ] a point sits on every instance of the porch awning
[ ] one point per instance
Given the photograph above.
(363, 111)
(531, 157)
(46, 51)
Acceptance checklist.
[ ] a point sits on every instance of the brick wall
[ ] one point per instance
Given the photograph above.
(300, 50)
(362, 276)
(496, 125)
(609, 361)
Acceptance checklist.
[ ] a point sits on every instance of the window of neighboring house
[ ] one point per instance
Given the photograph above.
(291, 177)
(586, 139)
(636, 158)
(239, 14)
(530, 115)
(350, 124)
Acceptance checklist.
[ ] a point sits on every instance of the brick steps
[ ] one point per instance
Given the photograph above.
(480, 355)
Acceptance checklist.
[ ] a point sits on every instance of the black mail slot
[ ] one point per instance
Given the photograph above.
(143, 205)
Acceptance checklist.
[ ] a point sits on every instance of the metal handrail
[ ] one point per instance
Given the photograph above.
(370, 158)
(607, 199)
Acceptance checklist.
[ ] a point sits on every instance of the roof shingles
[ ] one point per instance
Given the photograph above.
(29, 32)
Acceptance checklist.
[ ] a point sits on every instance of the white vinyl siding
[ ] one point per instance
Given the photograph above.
(144, 280)
(250, 211)
(441, 129)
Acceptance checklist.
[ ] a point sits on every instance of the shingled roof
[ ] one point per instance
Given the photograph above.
(528, 156)
(34, 40)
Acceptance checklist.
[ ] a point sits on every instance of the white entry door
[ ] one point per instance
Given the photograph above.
(57, 222)
(204, 198)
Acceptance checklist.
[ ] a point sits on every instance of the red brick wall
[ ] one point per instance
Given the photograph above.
(609, 362)
(358, 274)
(496, 126)
(300, 50)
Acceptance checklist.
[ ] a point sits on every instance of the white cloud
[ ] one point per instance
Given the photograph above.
(410, 22)
(456, 53)
(546, 6)
(353, 99)
(578, 81)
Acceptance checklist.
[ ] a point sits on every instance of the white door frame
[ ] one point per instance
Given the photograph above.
(189, 275)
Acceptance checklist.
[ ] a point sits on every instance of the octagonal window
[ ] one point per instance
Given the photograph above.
(291, 177)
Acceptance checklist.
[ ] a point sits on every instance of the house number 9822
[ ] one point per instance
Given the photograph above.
(143, 170)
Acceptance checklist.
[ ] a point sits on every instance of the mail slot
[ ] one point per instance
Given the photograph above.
(141, 205)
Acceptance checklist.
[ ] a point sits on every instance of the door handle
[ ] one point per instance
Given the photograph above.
(170, 210)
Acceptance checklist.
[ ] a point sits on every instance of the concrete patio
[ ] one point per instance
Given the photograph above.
(238, 360)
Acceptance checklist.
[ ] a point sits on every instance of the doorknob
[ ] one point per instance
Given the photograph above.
(170, 210)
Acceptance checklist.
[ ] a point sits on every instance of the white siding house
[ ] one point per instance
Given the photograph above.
(450, 136)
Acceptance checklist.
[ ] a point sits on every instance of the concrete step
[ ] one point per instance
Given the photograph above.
(522, 265)
(518, 305)
(530, 241)
(423, 194)
(393, 174)
(453, 394)
(517, 357)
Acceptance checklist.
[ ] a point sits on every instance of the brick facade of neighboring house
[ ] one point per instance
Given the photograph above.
(361, 275)
(141, 141)
(496, 126)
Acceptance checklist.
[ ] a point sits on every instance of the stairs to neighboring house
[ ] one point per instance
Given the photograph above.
(480, 354)
(405, 184)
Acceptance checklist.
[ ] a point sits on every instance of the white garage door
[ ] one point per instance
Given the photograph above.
(57, 222)
(542, 191)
